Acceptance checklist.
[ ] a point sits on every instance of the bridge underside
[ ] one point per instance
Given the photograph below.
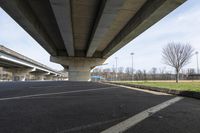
(86, 29)
(24, 68)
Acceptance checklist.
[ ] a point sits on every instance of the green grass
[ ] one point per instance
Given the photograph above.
(188, 86)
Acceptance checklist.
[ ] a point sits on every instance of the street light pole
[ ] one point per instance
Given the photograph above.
(116, 67)
(113, 72)
(197, 53)
(132, 66)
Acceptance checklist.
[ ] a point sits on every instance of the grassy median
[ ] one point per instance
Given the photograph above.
(187, 85)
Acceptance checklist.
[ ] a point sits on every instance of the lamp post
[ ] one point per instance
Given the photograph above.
(113, 72)
(116, 68)
(132, 66)
(197, 53)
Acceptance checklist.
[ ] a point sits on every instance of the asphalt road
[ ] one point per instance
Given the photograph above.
(86, 107)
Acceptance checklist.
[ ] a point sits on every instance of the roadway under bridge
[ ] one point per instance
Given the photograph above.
(81, 34)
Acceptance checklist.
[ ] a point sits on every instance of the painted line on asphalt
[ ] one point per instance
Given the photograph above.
(58, 86)
(132, 88)
(130, 122)
(53, 86)
(85, 127)
(57, 93)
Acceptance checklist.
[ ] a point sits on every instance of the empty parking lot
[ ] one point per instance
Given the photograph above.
(62, 107)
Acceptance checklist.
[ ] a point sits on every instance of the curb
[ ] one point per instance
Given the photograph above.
(190, 94)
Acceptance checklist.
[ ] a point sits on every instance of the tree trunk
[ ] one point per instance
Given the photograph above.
(177, 76)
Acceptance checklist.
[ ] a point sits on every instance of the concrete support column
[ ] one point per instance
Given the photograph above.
(20, 74)
(40, 75)
(55, 77)
(78, 68)
(49, 77)
(19, 77)
(79, 73)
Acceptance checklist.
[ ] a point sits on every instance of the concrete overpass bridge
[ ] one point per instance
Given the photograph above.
(21, 66)
(81, 34)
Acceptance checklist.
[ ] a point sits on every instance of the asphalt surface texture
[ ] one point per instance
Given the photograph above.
(88, 107)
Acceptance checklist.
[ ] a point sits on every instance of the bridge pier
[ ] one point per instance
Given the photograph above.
(49, 77)
(79, 73)
(40, 75)
(19, 77)
(78, 68)
(20, 74)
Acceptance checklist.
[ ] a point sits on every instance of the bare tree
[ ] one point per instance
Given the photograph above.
(177, 55)
(120, 69)
(191, 71)
(153, 72)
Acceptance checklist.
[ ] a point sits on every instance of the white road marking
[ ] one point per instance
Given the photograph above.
(130, 122)
(132, 88)
(56, 86)
(57, 93)
(85, 127)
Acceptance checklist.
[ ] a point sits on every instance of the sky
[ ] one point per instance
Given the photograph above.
(181, 26)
